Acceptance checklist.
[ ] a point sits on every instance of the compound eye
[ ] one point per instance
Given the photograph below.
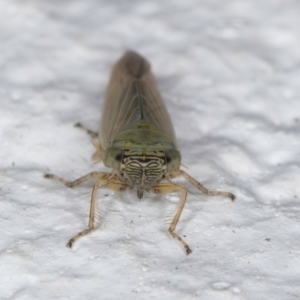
(113, 157)
(168, 159)
(172, 158)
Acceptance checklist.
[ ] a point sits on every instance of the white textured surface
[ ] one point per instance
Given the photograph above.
(229, 72)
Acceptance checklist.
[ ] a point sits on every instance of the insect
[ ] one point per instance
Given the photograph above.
(136, 139)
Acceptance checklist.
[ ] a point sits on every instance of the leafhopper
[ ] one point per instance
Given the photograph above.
(136, 140)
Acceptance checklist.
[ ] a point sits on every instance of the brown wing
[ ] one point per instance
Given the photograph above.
(132, 95)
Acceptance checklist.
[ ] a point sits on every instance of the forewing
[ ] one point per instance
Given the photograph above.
(132, 95)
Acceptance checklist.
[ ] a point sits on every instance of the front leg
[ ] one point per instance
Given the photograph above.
(109, 180)
(112, 183)
(198, 185)
(92, 175)
(170, 187)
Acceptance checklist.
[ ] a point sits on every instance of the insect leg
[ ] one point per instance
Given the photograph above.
(94, 175)
(97, 185)
(113, 184)
(91, 133)
(199, 186)
(171, 187)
